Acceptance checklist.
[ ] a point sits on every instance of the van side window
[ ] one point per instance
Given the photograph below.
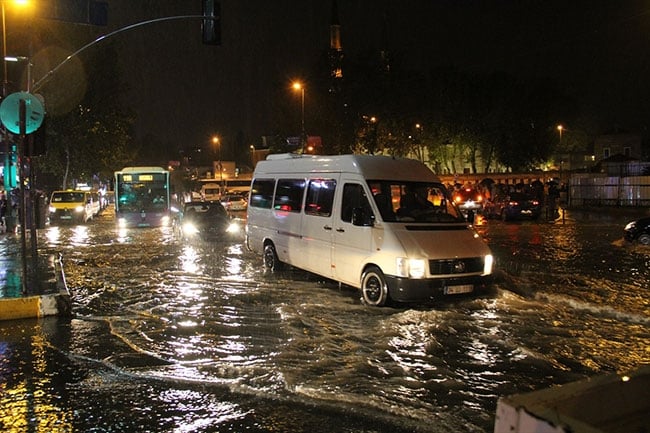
(353, 197)
(288, 195)
(262, 193)
(320, 196)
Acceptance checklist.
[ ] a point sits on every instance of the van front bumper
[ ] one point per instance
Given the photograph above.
(410, 290)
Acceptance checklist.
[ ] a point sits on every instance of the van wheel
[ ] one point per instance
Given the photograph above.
(271, 261)
(374, 290)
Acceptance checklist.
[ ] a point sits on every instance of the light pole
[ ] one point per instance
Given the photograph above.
(297, 85)
(7, 172)
(215, 141)
(4, 42)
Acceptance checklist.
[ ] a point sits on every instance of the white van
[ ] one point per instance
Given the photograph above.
(210, 191)
(385, 225)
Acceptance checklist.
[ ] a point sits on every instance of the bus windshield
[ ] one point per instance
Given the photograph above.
(142, 195)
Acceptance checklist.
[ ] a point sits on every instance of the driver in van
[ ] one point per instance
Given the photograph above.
(414, 202)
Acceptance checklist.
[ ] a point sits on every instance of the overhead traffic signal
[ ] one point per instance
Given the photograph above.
(211, 26)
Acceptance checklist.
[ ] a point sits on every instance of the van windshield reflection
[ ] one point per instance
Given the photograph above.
(399, 201)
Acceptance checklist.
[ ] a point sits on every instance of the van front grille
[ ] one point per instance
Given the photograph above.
(456, 266)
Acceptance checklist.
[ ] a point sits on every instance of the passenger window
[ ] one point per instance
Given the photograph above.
(320, 196)
(353, 197)
(288, 195)
(262, 193)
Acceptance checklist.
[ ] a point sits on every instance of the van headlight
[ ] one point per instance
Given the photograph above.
(487, 266)
(411, 268)
(52, 209)
(79, 209)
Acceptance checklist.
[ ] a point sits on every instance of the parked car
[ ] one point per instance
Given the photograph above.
(638, 231)
(469, 201)
(203, 220)
(234, 202)
(514, 205)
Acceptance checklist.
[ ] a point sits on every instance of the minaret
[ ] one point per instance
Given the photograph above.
(336, 51)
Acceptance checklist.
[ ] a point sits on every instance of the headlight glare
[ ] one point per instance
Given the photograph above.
(489, 262)
(417, 268)
(190, 229)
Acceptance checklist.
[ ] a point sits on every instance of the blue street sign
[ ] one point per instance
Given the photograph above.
(10, 112)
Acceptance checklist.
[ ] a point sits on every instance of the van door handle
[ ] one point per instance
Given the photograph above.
(327, 227)
(340, 230)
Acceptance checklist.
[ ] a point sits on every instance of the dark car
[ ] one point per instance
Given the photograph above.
(469, 201)
(639, 231)
(204, 220)
(512, 206)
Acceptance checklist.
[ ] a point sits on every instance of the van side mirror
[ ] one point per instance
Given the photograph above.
(361, 217)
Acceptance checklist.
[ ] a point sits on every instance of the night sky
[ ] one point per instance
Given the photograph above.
(184, 92)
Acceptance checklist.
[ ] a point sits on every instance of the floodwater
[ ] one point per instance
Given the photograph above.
(171, 337)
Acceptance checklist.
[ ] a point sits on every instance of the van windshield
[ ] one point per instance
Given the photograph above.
(68, 197)
(401, 201)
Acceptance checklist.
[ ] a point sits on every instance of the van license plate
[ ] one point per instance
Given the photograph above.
(453, 290)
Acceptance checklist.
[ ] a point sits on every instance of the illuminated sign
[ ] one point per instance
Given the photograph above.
(145, 177)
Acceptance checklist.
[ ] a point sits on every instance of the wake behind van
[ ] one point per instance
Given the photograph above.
(384, 225)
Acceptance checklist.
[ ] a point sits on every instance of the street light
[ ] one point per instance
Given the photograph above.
(560, 128)
(297, 85)
(7, 171)
(215, 141)
(4, 41)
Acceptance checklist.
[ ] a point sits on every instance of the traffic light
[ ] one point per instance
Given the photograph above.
(211, 26)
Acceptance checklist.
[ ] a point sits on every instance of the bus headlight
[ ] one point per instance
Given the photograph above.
(411, 268)
(233, 228)
(487, 266)
(121, 222)
(164, 220)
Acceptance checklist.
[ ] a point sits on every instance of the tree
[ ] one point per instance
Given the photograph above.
(90, 141)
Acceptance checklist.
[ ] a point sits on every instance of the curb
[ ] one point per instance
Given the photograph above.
(36, 306)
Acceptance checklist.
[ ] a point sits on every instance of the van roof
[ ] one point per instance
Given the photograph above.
(369, 166)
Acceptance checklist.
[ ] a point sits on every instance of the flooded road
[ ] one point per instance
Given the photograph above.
(171, 337)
